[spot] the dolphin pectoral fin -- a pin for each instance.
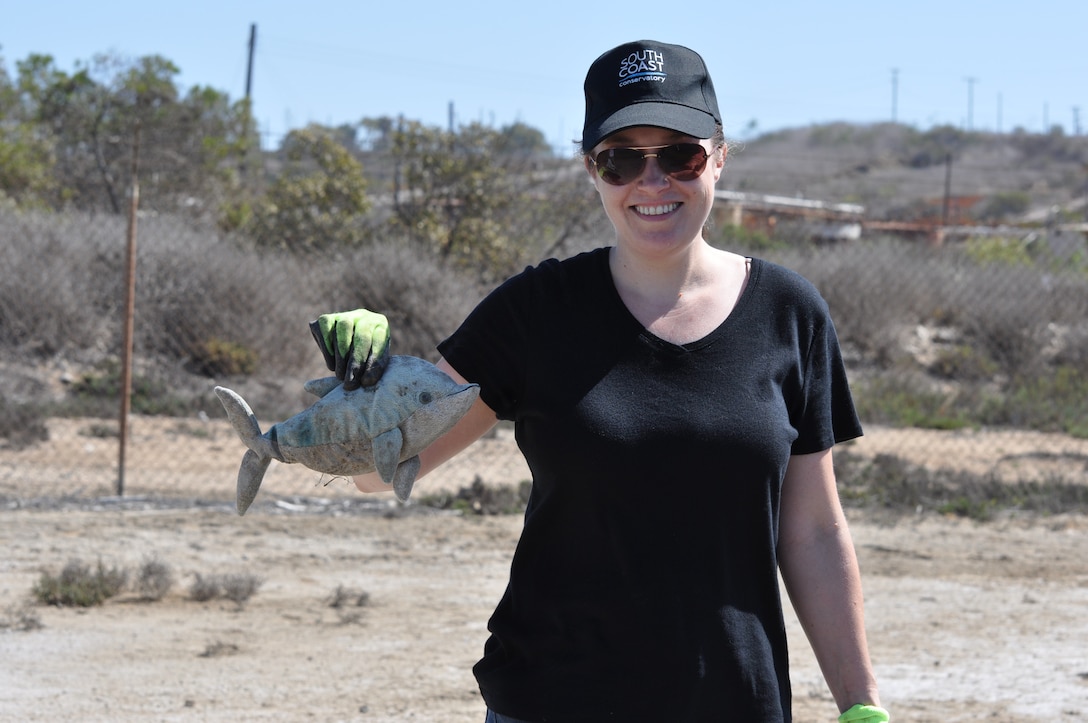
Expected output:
(405, 478)
(387, 446)
(250, 476)
(321, 387)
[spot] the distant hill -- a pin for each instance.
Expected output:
(899, 173)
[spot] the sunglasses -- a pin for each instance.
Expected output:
(620, 166)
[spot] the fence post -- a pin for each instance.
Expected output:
(129, 315)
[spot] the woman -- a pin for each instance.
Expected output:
(677, 405)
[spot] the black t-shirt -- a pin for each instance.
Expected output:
(644, 586)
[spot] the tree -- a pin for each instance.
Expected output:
(83, 124)
(319, 199)
(25, 157)
(482, 199)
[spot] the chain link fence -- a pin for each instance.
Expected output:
(968, 359)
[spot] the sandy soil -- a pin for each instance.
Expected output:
(967, 621)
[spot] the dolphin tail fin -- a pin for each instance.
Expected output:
(257, 457)
(250, 476)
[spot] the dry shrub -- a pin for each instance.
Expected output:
(1006, 313)
(203, 588)
(870, 297)
(154, 579)
(62, 282)
(423, 298)
(21, 425)
(21, 617)
(348, 604)
(343, 597)
(236, 587)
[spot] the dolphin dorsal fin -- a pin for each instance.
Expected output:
(321, 387)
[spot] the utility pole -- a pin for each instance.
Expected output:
(1076, 120)
(249, 64)
(895, 93)
(970, 101)
(248, 119)
(999, 104)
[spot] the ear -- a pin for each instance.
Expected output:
(590, 168)
(719, 162)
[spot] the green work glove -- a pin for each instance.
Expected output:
(865, 714)
(355, 345)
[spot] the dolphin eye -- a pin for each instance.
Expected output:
(425, 397)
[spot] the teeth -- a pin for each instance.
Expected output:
(657, 210)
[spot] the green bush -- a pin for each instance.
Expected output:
(891, 484)
(97, 393)
(218, 357)
(80, 585)
(902, 402)
(1054, 402)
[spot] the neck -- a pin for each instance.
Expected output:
(680, 299)
(663, 279)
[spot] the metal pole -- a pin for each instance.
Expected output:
(130, 313)
(947, 188)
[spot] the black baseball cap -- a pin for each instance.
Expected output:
(647, 83)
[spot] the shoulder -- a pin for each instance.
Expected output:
(551, 275)
(785, 287)
(582, 263)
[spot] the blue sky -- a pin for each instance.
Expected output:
(782, 64)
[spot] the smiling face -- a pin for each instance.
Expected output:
(656, 213)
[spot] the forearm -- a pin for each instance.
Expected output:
(824, 584)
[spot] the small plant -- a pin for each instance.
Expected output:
(348, 603)
(101, 431)
(79, 585)
(21, 618)
(204, 588)
(218, 649)
(238, 587)
(218, 357)
(154, 580)
(343, 597)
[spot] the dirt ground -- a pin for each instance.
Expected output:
(967, 621)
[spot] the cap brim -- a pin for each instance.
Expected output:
(670, 116)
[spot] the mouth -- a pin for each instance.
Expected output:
(658, 210)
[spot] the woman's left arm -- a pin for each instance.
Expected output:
(820, 570)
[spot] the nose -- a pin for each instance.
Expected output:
(652, 175)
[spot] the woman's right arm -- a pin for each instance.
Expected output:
(475, 424)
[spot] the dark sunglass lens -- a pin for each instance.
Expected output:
(683, 161)
(620, 166)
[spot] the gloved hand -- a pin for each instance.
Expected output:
(865, 714)
(355, 345)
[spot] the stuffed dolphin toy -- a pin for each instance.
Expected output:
(381, 427)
